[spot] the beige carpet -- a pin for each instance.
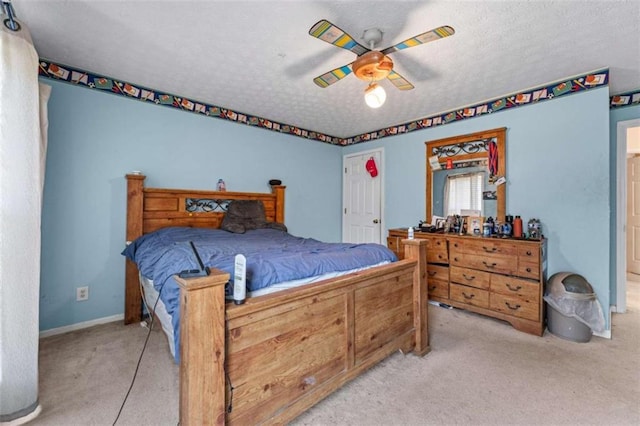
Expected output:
(480, 372)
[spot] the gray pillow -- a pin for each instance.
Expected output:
(245, 215)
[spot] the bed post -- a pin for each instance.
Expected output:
(278, 190)
(202, 349)
(135, 207)
(417, 249)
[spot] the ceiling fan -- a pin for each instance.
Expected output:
(371, 65)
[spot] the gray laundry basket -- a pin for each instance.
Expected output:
(573, 311)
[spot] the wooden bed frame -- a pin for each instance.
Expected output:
(272, 358)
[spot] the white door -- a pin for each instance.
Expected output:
(362, 217)
(633, 215)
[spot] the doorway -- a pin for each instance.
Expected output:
(362, 191)
(628, 144)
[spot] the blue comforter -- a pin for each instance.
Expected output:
(273, 256)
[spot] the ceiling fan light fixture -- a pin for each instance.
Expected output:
(374, 95)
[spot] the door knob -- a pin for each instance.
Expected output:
(376, 221)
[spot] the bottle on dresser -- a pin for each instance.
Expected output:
(517, 227)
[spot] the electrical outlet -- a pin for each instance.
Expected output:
(82, 293)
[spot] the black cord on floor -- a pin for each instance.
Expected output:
(146, 340)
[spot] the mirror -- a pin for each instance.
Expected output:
(457, 164)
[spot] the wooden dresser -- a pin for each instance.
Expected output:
(501, 278)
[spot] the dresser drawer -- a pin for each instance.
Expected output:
(437, 250)
(511, 286)
(470, 277)
(437, 272)
(483, 246)
(528, 270)
(491, 263)
(438, 288)
(516, 306)
(469, 295)
(529, 254)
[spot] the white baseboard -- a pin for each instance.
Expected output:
(80, 325)
(604, 333)
(25, 419)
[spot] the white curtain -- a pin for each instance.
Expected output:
(463, 192)
(23, 145)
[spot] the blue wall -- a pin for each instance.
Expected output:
(616, 115)
(557, 171)
(95, 139)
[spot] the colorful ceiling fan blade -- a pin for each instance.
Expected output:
(326, 31)
(333, 76)
(426, 37)
(399, 81)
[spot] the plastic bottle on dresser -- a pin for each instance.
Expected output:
(410, 233)
(517, 227)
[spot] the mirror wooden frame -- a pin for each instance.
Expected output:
(499, 135)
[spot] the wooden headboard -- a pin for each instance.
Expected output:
(149, 209)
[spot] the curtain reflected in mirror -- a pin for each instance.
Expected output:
(462, 192)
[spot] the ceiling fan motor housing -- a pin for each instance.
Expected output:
(372, 66)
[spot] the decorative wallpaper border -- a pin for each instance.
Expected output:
(550, 91)
(600, 78)
(90, 80)
(625, 99)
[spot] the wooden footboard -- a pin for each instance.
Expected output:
(286, 351)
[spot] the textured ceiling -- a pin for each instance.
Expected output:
(256, 57)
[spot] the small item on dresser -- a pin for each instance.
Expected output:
(535, 229)
(450, 224)
(509, 220)
(505, 229)
(463, 220)
(517, 227)
(410, 233)
(486, 228)
(456, 224)
(221, 186)
(491, 227)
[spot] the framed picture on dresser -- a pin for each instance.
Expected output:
(474, 225)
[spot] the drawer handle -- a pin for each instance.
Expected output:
(513, 308)
(439, 256)
(493, 249)
(468, 297)
(433, 287)
(455, 244)
(455, 259)
(512, 288)
(528, 253)
(432, 273)
(489, 265)
(528, 269)
(472, 277)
